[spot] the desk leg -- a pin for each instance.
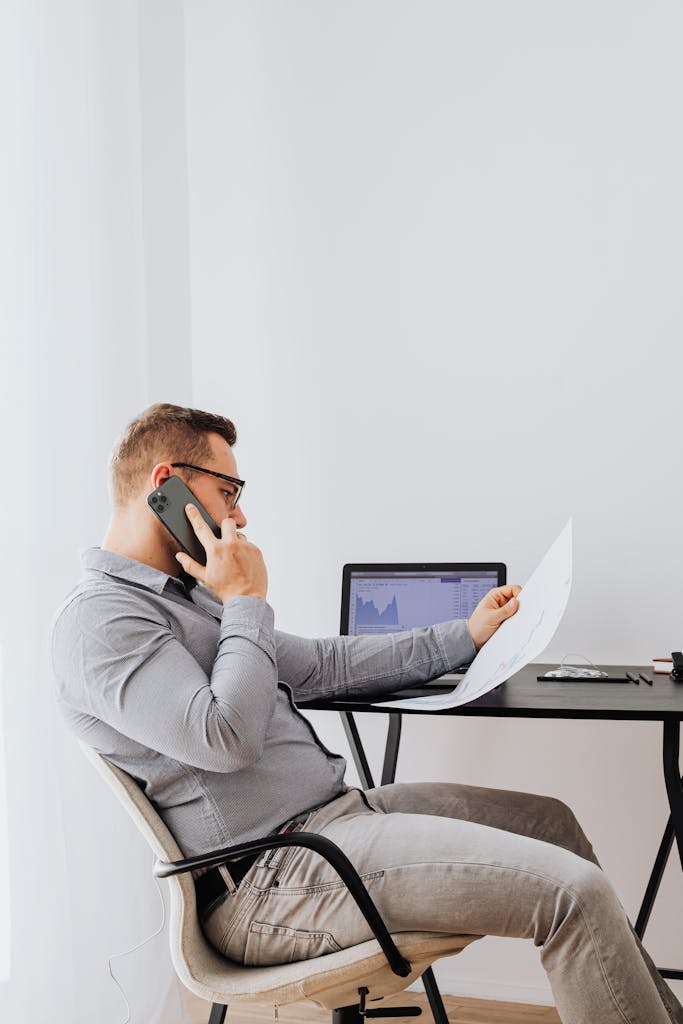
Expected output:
(674, 829)
(357, 752)
(391, 748)
(672, 776)
(655, 879)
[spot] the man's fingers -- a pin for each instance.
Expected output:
(501, 595)
(229, 529)
(189, 565)
(199, 524)
(503, 610)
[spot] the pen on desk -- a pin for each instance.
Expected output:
(634, 678)
(646, 679)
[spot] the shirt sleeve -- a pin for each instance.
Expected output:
(117, 658)
(371, 665)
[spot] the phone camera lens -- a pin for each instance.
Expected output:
(154, 500)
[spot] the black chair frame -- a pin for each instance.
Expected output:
(342, 865)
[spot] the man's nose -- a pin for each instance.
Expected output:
(240, 518)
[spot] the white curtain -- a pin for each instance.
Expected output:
(88, 253)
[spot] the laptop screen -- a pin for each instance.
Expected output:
(392, 599)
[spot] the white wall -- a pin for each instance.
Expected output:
(84, 346)
(435, 279)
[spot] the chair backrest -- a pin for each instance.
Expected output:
(143, 812)
(190, 951)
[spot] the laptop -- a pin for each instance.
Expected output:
(382, 597)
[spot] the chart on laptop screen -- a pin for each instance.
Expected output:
(395, 602)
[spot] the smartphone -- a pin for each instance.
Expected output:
(168, 502)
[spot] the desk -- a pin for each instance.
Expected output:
(523, 696)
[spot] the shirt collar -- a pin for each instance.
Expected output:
(124, 568)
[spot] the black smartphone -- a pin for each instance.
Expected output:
(168, 502)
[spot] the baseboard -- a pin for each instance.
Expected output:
(452, 983)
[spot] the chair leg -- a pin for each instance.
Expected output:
(434, 996)
(218, 1012)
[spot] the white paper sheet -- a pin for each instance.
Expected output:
(519, 639)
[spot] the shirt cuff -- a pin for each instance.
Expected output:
(456, 643)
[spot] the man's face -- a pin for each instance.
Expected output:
(213, 493)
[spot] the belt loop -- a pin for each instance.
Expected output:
(227, 878)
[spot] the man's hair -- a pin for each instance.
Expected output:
(161, 432)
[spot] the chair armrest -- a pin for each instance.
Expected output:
(332, 854)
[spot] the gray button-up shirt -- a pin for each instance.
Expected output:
(196, 699)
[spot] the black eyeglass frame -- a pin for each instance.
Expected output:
(221, 476)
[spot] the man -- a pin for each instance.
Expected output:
(174, 672)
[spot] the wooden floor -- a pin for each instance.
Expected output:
(459, 1010)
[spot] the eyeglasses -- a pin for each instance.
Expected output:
(235, 494)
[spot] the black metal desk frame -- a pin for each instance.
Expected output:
(523, 696)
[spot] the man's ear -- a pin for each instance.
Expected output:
(161, 472)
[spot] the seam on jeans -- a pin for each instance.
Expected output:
(318, 890)
(547, 878)
(251, 898)
(479, 864)
(599, 958)
(264, 928)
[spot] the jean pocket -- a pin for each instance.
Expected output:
(270, 944)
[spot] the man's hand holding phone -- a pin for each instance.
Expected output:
(234, 566)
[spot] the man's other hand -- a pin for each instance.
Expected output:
(497, 606)
(234, 567)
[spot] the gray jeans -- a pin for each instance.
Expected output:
(462, 860)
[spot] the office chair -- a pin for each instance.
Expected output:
(343, 981)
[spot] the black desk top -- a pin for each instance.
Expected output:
(523, 696)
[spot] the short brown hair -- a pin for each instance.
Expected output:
(160, 431)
